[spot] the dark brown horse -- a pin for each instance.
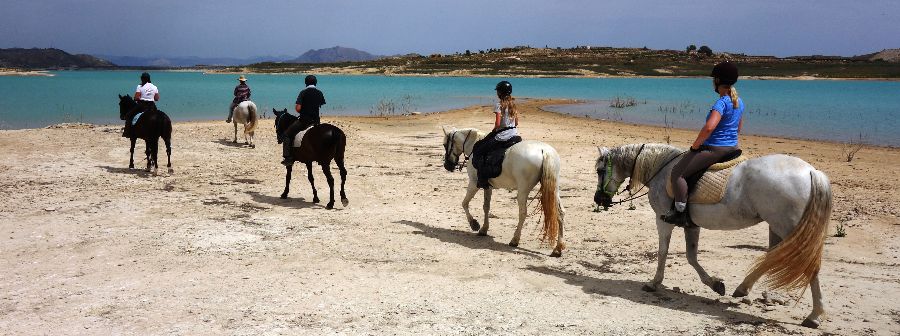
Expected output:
(321, 144)
(150, 127)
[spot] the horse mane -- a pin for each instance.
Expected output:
(649, 162)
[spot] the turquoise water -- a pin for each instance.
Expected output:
(827, 110)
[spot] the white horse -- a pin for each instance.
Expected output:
(788, 193)
(526, 163)
(245, 113)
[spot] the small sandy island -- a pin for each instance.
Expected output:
(91, 247)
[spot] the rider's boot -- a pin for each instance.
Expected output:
(286, 152)
(230, 113)
(678, 215)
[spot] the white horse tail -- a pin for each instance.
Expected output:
(251, 119)
(795, 261)
(549, 204)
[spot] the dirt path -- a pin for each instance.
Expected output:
(90, 247)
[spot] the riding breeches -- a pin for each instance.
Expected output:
(693, 162)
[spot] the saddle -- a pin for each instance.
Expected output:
(298, 139)
(490, 163)
(708, 186)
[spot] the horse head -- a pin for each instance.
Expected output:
(610, 176)
(283, 119)
(126, 103)
(455, 143)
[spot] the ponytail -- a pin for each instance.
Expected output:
(509, 103)
(734, 97)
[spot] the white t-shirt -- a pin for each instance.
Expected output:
(147, 91)
(505, 121)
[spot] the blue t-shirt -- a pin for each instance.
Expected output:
(726, 132)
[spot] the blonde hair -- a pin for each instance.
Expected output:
(734, 97)
(509, 103)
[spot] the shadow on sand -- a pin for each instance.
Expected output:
(631, 290)
(128, 171)
(296, 203)
(467, 239)
(229, 143)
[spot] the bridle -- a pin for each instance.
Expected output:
(605, 180)
(449, 145)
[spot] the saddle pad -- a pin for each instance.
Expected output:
(298, 139)
(136, 117)
(728, 164)
(711, 187)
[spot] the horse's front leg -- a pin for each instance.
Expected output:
(312, 183)
(235, 131)
(287, 181)
(147, 156)
(692, 243)
(665, 235)
(131, 158)
(522, 199)
(470, 192)
(326, 169)
(487, 210)
(168, 142)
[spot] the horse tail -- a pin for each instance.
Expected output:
(794, 262)
(549, 204)
(252, 119)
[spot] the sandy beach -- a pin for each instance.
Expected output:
(91, 247)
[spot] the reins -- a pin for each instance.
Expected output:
(631, 178)
(459, 165)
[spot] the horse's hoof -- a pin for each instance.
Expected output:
(718, 287)
(329, 206)
(345, 201)
(315, 199)
(171, 171)
(648, 288)
(556, 254)
(473, 224)
(482, 233)
(738, 292)
(813, 324)
(514, 244)
(130, 166)
(283, 196)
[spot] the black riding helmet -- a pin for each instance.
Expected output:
(310, 80)
(504, 88)
(726, 72)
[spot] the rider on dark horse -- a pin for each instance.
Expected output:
(504, 135)
(308, 103)
(717, 139)
(241, 94)
(146, 95)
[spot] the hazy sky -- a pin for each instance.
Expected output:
(229, 28)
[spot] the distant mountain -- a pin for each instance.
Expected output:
(189, 61)
(49, 58)
(334, 55)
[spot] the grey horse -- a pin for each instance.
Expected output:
(785, 191)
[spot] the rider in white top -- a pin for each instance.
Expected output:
(146, 96)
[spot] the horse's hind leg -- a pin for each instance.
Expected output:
(665, 235)
(326, 169)
(744, 288)
(812, 321)
(312, 182)
(522, 199)
(692, 242)
(131, 158)
(235, 131)
(168, 142)
(340, 163)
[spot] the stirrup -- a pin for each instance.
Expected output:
(677, 218)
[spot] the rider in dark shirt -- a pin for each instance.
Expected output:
(308, 103)
(241, 94)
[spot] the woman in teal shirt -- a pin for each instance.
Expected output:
(717, 138)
